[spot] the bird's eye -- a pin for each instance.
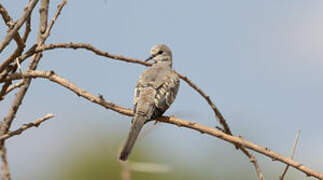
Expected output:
(160, 52)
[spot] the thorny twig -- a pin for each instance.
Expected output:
(172, 120)
(26, 126)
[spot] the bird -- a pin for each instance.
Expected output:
(155, 91)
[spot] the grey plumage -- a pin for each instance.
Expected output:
(155, 91)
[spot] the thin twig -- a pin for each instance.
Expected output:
(18, 51)
(8, 20)
(14, 86)
(11, 33)
(27, 29)
(291, 154)
(5, 64)
(52, 22)
(4, 89)
(90, 48)
(19, 67)
(6, 84)
(43, 36)
(26, 126)
(10, 59)
(3, 151)
(172, 120)
(209, 101)
(253, 161)
(20, 42)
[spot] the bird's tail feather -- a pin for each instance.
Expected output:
(137, 124)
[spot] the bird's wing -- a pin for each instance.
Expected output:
(166, 92)
(165, 83)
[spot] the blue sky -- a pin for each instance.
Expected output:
(261, 63)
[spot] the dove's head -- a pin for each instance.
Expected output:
(161, 54)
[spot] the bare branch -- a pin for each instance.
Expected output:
(209, 101)
(21, 45)
(4, 89)
(6, 63)
(11, 33)
(26, 126)
(10, 59)
(52, 22)
(12, 87)
(5, 165)
(292, 154)
(18, 51)
(42, 37)
(43, 10)
(237, 140)
(138, 61)
(172, 120)
(8, 20)
(52, 76)
(3, 151)
(32, 66)
(27, 29)
(5, 125)
(20, 95)
(253, 160)
(93, 49)
(34, 49)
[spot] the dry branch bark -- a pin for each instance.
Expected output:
(26, 126)
(8, 21)
(11, 33)
(171, 120)
(52, 76)
(14, 86)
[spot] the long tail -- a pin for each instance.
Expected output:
(137, 124)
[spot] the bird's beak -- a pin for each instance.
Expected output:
(149, 58)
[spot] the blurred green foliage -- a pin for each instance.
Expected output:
(100, 162)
